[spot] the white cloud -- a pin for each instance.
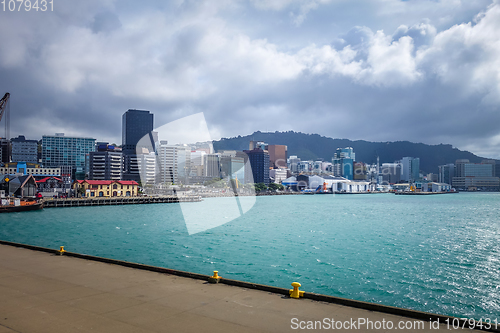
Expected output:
(193, 57)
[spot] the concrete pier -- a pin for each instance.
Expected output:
(43, 292)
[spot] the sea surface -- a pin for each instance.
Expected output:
(438, 253)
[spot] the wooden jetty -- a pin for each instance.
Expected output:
(76, 202)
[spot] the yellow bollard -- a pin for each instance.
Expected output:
(295, 292)
(61, 250)
(214, 279)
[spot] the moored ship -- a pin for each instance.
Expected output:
(11, 205)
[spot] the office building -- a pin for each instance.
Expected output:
(137, 160)
(24, 150)
(277, 156)
(211, 166)
(24, 168)
(410, 169)
(135, 125)
(232, 167)
(293, 164)
(258, 166)
(446, 173)
(475, 176)
(106, 163)
(60, 150)
(389, 173)
(343, 163)
(174, 163)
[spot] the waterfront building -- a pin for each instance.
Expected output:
(278, 175)
(258, 166)
(60, 150)
(333, 184)
(436, 187)
(277, 156)
(105, 163)
(106, 188)
(18, 186)
(24, 168)
(50, 184)
(474, 176)
(24, 150)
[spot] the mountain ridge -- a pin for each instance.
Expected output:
(315, 147)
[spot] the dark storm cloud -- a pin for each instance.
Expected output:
(377, 70)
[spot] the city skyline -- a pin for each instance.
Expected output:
(364, 70)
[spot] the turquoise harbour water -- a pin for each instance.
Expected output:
(438, 253)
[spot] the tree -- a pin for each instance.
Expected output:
(276, 187)
(260, 187)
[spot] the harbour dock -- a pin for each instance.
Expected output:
(76, 202)
(48, 292)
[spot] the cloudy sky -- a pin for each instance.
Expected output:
(379, 70)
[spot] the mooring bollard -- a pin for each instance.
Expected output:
(61, 250)
(295, 292)
(214, 279)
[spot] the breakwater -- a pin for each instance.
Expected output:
(76, 202)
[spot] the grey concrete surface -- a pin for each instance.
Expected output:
(41, 292)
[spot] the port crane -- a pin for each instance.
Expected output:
(4, 110)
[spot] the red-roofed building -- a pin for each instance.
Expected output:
(49, 184)
(106, 188)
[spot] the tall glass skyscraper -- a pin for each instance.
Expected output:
(135, 125)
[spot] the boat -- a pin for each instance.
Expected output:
(19, 205)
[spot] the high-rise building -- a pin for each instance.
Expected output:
(293, 164)
(135, 125)
(60, 150)
(343, 163)
(211, 166)
(259, 165)
(24, 150)
(174, 163)
(410, 169)
(277, 156)
(446, 173)
(106, 163)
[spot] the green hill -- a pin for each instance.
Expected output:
(314, 147)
